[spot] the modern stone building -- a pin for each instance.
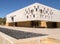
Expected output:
(35, 15)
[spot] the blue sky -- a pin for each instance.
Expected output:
(8, 6)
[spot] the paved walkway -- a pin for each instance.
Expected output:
(20, 34)
(52, 33)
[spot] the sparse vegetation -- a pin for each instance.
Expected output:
(2, 21)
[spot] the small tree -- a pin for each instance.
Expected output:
(2, 21)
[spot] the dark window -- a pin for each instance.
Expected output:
(34, 23)
(29, 9)
(37, 6)
(32, 11)
(27, 16)
(51, 25)
(15, 23)
(12, 18)
(26, 11)
(34, 16)
(51, 12)
(36, 9)
(40, 10)
(46, 11)
(44, 8)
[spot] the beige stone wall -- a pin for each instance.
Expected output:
(24, 24)
(43, 24)
(58, 24)
(9, 24)
(27, 24)
(39, 24)
(20, 24)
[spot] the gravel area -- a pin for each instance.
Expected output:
(19, 34)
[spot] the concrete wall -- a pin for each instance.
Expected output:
(29, 13)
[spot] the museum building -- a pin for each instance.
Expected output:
(34, 15)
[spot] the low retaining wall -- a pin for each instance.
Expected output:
(49, 41)
(5, 39)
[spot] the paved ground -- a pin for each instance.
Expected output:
(19, 34)
(52, 33)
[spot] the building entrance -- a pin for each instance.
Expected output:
(34, 23)
(15, 24)
(51, 25)
(37, 24)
